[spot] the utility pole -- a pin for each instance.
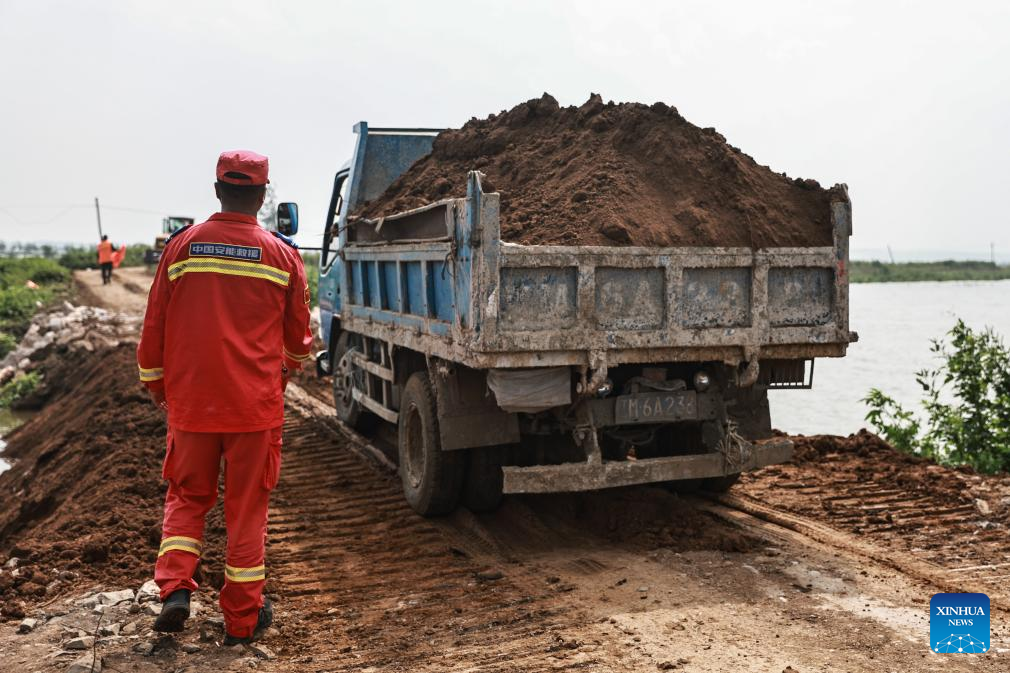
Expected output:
(98, 213)
(889, 253)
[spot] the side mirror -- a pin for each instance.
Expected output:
(287, 218)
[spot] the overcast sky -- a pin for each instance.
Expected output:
(906, 102)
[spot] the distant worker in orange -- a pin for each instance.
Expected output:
(227, 320)
(105, 259)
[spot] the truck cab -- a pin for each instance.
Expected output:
(380, 156)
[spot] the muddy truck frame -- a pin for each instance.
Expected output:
(540, 368)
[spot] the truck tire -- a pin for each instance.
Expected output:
(432, 478)
(482, 485)
(348, 410)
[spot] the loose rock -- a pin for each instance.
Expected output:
(110, 630)
(80, 643)
(89, 663)
(115, 597)
(262, 651)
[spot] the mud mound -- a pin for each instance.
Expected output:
(870, 459)
(841, 476)
(615, 174)
(82, 501)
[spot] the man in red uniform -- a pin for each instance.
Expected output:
(227, 319)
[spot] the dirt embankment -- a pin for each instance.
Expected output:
(615, 174)
(81, 503)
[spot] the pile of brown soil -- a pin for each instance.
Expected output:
(82, 502)
(615, 174)
(867, 458)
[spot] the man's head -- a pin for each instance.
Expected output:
(105, 237)
(242, 177)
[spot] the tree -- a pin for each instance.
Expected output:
(267, 215)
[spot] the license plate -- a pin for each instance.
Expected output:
(656, 407)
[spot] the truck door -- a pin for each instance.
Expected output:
(331, 267)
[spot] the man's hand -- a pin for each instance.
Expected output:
(158, 397)
(285, 377)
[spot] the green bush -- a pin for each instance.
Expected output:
(20, 386)
(7, 344)
(19, 303)
(966, 404)
(78, 258)
(16, 272)
(87, 258)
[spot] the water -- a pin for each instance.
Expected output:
(895, 322)
(8, 421)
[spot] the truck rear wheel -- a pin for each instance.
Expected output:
(349, 411)
(431, 477)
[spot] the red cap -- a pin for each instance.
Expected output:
(242, 167)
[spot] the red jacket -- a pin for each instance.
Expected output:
(228, 306)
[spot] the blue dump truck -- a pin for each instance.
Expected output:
(534, 369)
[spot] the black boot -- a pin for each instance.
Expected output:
(174, 612)
(266, 618)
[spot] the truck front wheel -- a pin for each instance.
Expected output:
(344, 376)
(431, 477)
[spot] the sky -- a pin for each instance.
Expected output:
(906, 102)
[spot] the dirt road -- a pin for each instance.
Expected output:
(127, 293)
(770, 579)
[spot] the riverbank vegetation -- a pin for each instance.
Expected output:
(965, 405)
(25, 286)
(883, 272)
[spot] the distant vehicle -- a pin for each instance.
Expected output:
(614, 366)
(169, 225)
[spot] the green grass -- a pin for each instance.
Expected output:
(882, 272)
(18, 302)
(20, 386)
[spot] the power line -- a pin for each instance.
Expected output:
(66, 208)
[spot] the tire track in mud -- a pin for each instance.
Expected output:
(920, 518)
(367, 583)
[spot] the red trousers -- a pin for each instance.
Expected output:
(252, 465)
